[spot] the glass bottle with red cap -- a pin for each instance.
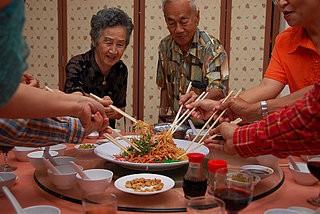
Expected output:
(194, 181)
(213, 166)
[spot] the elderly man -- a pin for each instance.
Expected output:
(189, 55)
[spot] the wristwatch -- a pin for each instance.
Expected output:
(264, 108)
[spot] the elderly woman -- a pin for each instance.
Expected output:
(100, 70)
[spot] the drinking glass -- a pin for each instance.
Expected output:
(205, 204)
(233, 186)
(166, 114)
(6, 167)
(100, 203)
(314, 168)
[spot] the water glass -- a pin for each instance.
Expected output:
(205, 204)
(100, 203)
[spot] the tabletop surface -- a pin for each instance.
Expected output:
(28, 192)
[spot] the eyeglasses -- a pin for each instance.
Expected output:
(276, 2)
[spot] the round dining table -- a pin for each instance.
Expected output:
(31, 190)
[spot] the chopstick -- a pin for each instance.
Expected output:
(125, 139)
(109, 137)
(201, 97)
(49, 89)
(205, 125)
(177, 116)
(117, 109)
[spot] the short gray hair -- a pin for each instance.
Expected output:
(108, 18)
(192, 3)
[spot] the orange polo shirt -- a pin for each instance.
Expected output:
(295, 60)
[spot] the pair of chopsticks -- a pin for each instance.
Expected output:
(116, 109)
(205, 125)
(236, 121)
(186, 114)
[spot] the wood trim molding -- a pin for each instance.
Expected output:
(62, 41)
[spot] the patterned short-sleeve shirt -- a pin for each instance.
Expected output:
(205, 64)
(83, 74)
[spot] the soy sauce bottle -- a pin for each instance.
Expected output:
(194, 181)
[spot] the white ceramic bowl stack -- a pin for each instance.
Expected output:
(65, 180)
(36, 159)
(60, 148)
(99, 180)
(303, 176)
(21, 152)
(7, 179)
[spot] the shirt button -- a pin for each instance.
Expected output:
(75, 139)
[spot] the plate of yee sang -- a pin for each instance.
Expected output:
(157, 153)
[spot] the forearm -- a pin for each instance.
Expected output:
(40, 132)
(267, 89)
(275, 104)
(30, 102)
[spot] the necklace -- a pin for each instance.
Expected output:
(104, 81)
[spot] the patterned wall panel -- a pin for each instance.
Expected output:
(79, 16)
(155, 30)
(247, 43)
(41, 32)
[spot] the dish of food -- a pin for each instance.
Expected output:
(110, 152)
(240, 178)
(144, 184)
(85, 147)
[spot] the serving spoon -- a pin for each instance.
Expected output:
(17, 207)
(51, 166)
(77, 168)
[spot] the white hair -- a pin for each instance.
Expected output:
(192, 3)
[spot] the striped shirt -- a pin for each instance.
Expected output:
(205, 65)
(40, 132)
(293, 130)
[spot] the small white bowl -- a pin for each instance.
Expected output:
(302, 210)
(60, 148)
(65, 180)
(41, 209)
(64, 160)
(280, 211)
(36, 161)
(85, 151)
(7, 179)
(93, 135)
(261, 171)
(20, 152)
(303, 177)
(100, 180)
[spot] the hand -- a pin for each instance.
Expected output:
(30, 80)
(226, 145)
(87, 114)
(111, 114)
(188, 98)
(97, 123)
(204, 108)
(237, 107)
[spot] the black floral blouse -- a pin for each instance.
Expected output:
(83, 74)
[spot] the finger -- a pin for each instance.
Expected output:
(218, 147)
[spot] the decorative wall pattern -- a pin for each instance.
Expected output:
(41, 33)
(155, 30)
(79, 41)
(247, 44)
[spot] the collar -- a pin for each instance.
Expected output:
(193, 50)
(300, 38)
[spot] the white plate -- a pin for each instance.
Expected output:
(302, 210)
(108, 150)
(121, 182)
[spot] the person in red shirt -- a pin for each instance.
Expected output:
(292, 130)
